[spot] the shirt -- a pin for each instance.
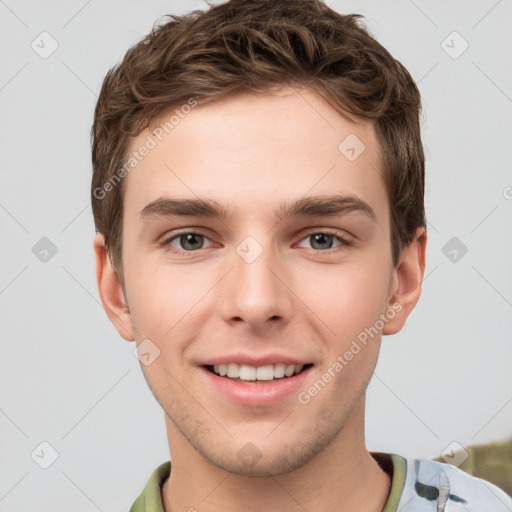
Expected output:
(417, 485)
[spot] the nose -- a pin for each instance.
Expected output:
(257, 291)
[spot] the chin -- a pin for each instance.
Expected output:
(261, 457)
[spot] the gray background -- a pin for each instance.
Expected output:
(68, 379)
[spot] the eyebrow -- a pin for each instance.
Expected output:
(331, 205)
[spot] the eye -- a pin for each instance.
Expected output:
(324, 240)
(190, 241)
(185, 242)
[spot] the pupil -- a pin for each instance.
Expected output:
(321, 238)
(188, 241)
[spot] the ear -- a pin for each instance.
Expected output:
(111, 292)
(406, 282)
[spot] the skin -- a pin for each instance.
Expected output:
(250, 153)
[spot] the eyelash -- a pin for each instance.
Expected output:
(343, 241)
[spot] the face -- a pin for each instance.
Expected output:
(257, 242)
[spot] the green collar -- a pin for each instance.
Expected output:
(150, 500)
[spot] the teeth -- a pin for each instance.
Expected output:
(265, 372)
(232, 370)
(288, 371)
(251, 373)
(247, 372)
(279, 371)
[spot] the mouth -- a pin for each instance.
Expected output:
(245, 373)
(251, 381)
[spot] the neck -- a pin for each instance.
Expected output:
(343, 477)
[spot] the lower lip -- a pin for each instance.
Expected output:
(257, 393)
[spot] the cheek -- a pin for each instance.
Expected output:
(348, 297)
(161, 299)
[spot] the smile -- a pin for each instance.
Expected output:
(245, 387)
(245, 372)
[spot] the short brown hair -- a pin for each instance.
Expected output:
(260, 46)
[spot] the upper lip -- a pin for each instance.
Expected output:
(251, 360)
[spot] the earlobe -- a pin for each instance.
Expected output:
(407, 282)
(111, 292)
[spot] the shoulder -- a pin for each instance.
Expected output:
(436, 486)
(150, 500)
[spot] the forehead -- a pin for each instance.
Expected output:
(254, 150)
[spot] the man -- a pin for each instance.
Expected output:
(258, 197)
